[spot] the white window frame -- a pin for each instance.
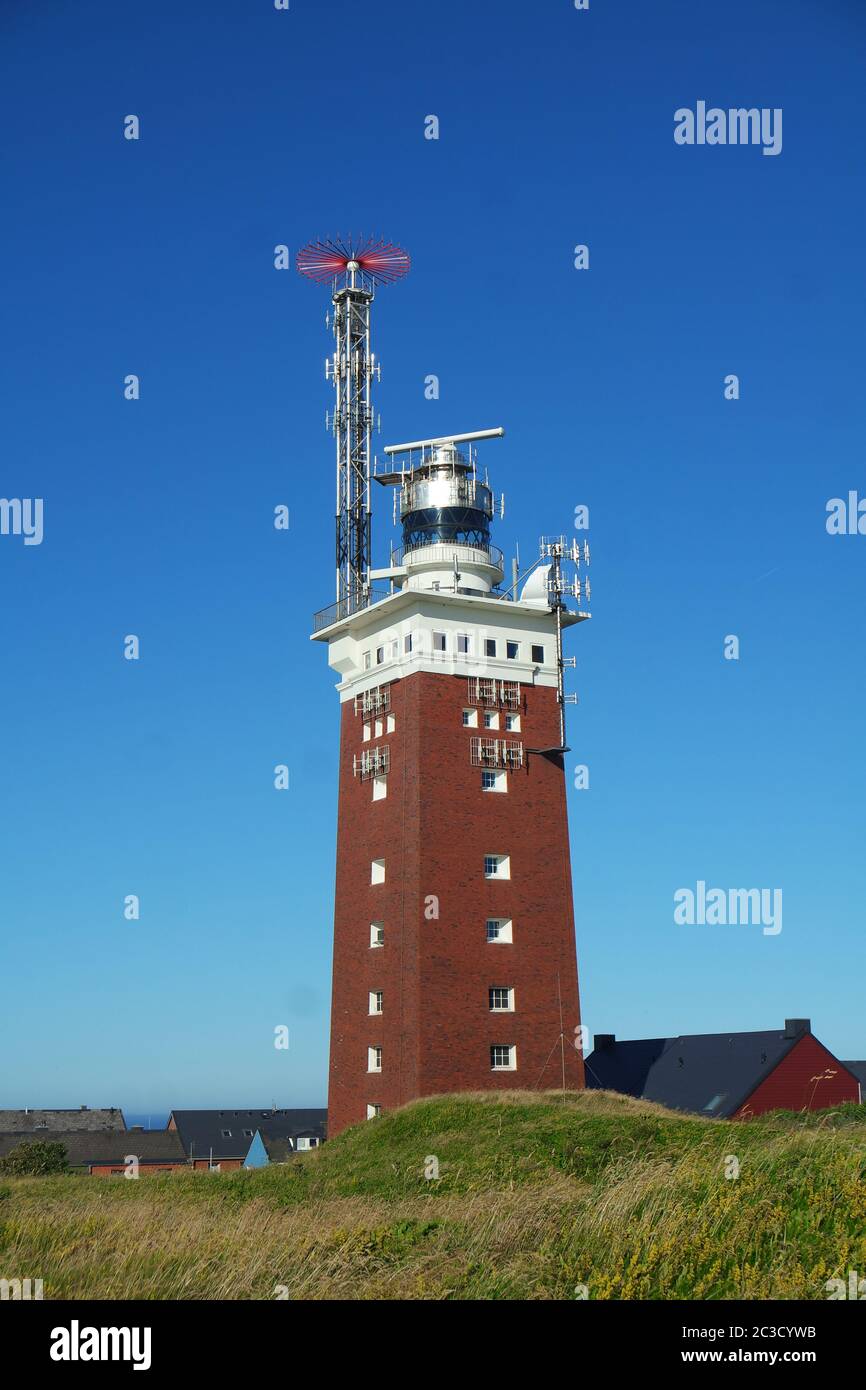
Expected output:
(374, 1059)
(375, 929)
(499, 782)
(508, 1007)
(470, 719)
(377, 871)
(380, 787)
(511, 1064)
(504, 936)
(503, 870)
(375, 998)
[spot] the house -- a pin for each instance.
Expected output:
(729, 1075)
(107, 1153)
(859, 1070)
(223, 1138)
(22, 1121)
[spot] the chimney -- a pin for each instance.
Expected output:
(604, 1041)
(795, 1026)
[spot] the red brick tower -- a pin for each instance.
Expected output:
(454, 952)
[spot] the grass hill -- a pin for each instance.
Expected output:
(537, 1194)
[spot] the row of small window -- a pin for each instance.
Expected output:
(378, 728)
(300, 1143)
(500, 1000)
(495, 866)
(498, 929)
(390, 650)
(490, 720)
(492, 780)
(503, 1057)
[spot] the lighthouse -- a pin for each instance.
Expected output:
(454, 964)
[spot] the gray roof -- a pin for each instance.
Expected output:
(228, 1133)
(19, 1121)
(712, 1074)
(104, 1146)
(859, 1070)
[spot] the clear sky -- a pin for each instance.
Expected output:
(707, 515)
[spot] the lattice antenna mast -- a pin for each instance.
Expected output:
(557, 551)
(355, 268)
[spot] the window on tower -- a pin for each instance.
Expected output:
(440, 642)
(374, 1059)
(377, 934)
(380, 788)
(377, 871)
(407, 644)
(470, 718)
(497, 866)
(500, 999)
(367, 660)
(490, 646)
(491, 719)
(538, 655)
(494, 780)
(463, 643)
(503, 1057)
(512, 723)
(376, 1001)
(380, 655)
(499, 929)
(512, 650)
(373, 1111)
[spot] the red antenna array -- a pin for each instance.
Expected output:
(324, 259)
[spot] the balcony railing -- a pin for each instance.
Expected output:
(346, 607)
(437, 552)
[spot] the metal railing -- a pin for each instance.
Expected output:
(438, 551)
(346, 607)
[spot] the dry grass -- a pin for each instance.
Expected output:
(538, 1194)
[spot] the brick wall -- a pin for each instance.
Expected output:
(433, 830)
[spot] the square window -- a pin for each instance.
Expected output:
(377, 934)
(226, 1133)
(500, 999)
(491, 719)
(503, 1057)
(375, 1001)
(497, 866)
(248, 1134)
(440, 642)
(374, 1059)
(373, 1112)
(463, 643)
(490, 646)
(512, 650)
(512, 723)
(494, 780)
(499, 929)
(538, 654)
(377, 871)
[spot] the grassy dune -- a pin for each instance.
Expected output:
(538, 1193)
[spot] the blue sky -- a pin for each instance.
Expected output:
(707, 516)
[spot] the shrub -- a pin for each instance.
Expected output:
(34, 1158)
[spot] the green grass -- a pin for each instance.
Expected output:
(538, 1194)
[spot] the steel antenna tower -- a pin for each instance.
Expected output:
(355, 267)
